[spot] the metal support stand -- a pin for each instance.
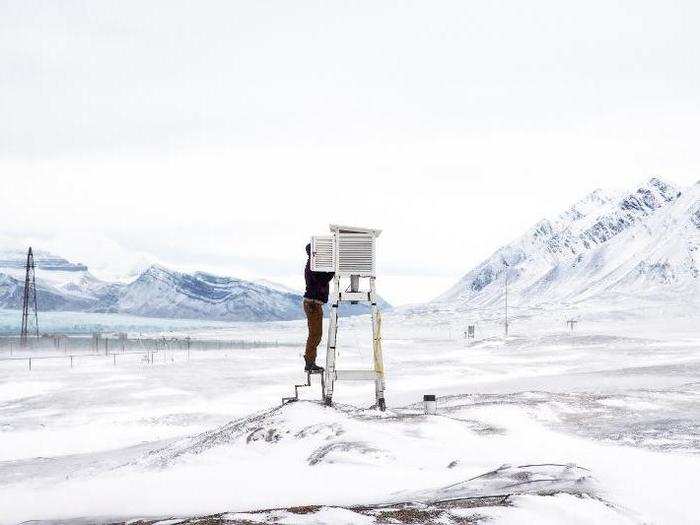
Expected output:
(377, 373)
(295, 397)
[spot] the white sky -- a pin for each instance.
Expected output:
(219, 136)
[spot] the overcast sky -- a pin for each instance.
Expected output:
(219, 136)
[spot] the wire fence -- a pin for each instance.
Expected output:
(116, 348)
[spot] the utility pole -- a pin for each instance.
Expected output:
(506, 300)
(29, 300)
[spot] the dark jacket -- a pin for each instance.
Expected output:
(316, 282)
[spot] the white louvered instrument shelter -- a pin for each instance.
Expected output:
(356, 254)
(323, 253)
(349, 251)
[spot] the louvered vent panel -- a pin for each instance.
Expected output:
(356, 254)
(322, 253)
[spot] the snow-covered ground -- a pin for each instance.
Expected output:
(598, 426)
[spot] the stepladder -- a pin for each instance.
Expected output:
(375, 371)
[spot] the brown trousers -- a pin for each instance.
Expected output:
(314, 319)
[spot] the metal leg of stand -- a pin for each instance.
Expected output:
(377, 347)
(330, 352)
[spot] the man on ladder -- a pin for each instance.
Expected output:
(315, 296)
(347, 254)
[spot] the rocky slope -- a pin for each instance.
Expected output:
(160, 292)
(642, 244)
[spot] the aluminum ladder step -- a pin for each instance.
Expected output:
(356, 375)
(354, 297)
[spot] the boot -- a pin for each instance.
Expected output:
(311, 366)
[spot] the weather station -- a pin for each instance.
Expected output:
(350, 253)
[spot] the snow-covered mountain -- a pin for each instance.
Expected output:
(16, 259)
(160, 292)
(637, 246)
(61, 285)
(156, 292)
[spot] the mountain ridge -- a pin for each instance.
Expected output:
(157, 291)
(605, 243)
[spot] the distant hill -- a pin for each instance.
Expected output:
(156, 292)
